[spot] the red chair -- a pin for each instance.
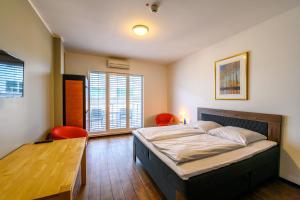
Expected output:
(166, 119)
(65, 132)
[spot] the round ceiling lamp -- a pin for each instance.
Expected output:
(140, 30)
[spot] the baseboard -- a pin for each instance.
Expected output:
(289, 182)
(109, 134)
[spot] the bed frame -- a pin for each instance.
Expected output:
(227, 182)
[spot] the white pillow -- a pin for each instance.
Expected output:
(206, 125)
(237, 134)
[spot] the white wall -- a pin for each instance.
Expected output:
(26, 119)
(274, 80)
(58, 70)
(155, 79)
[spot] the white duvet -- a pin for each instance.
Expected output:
(168, 132)
(194, 147)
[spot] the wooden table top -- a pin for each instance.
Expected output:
(39, 170)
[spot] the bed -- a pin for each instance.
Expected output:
(227, 181)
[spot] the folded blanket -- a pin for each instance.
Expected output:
(168, 132)
(194, 147)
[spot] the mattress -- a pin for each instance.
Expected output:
(197, 167)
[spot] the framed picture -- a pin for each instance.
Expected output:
(231, 78)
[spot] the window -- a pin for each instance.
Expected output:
(116, 101)
(97, 101)
(11, 76)
(136, 101)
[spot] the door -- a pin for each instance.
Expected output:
(116, 102)
(74, 101)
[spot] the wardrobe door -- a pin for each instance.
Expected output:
(74, 100)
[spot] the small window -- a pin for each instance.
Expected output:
(11, 76)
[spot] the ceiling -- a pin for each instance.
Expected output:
(181, 27)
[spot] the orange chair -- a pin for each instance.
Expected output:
(166, 119)
(65, 132)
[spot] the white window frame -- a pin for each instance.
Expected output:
(109, 131)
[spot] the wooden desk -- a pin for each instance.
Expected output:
(44, 171)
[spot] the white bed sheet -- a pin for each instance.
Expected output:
(185, 149)
(196, 167)
(168, 132)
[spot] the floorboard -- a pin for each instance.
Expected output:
(112, 175)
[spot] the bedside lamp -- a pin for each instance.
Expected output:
(184, 117)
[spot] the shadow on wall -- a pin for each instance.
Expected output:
(150, 121)
(288, 166)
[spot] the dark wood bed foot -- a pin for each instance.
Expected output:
(134, 152)
(179, 196)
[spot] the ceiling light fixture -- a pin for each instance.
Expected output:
(140, 30)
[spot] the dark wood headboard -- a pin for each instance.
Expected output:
(268, 124)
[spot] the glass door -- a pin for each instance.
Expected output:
(97, 92)
(117, 101)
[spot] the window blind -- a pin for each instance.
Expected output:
(117, 101)
(97, 92)
(11, 80)
(136, 101)
(117, 98)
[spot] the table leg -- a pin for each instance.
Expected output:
(83, 167)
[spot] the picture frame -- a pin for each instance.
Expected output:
(231, 77)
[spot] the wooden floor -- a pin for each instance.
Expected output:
(112, 175)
